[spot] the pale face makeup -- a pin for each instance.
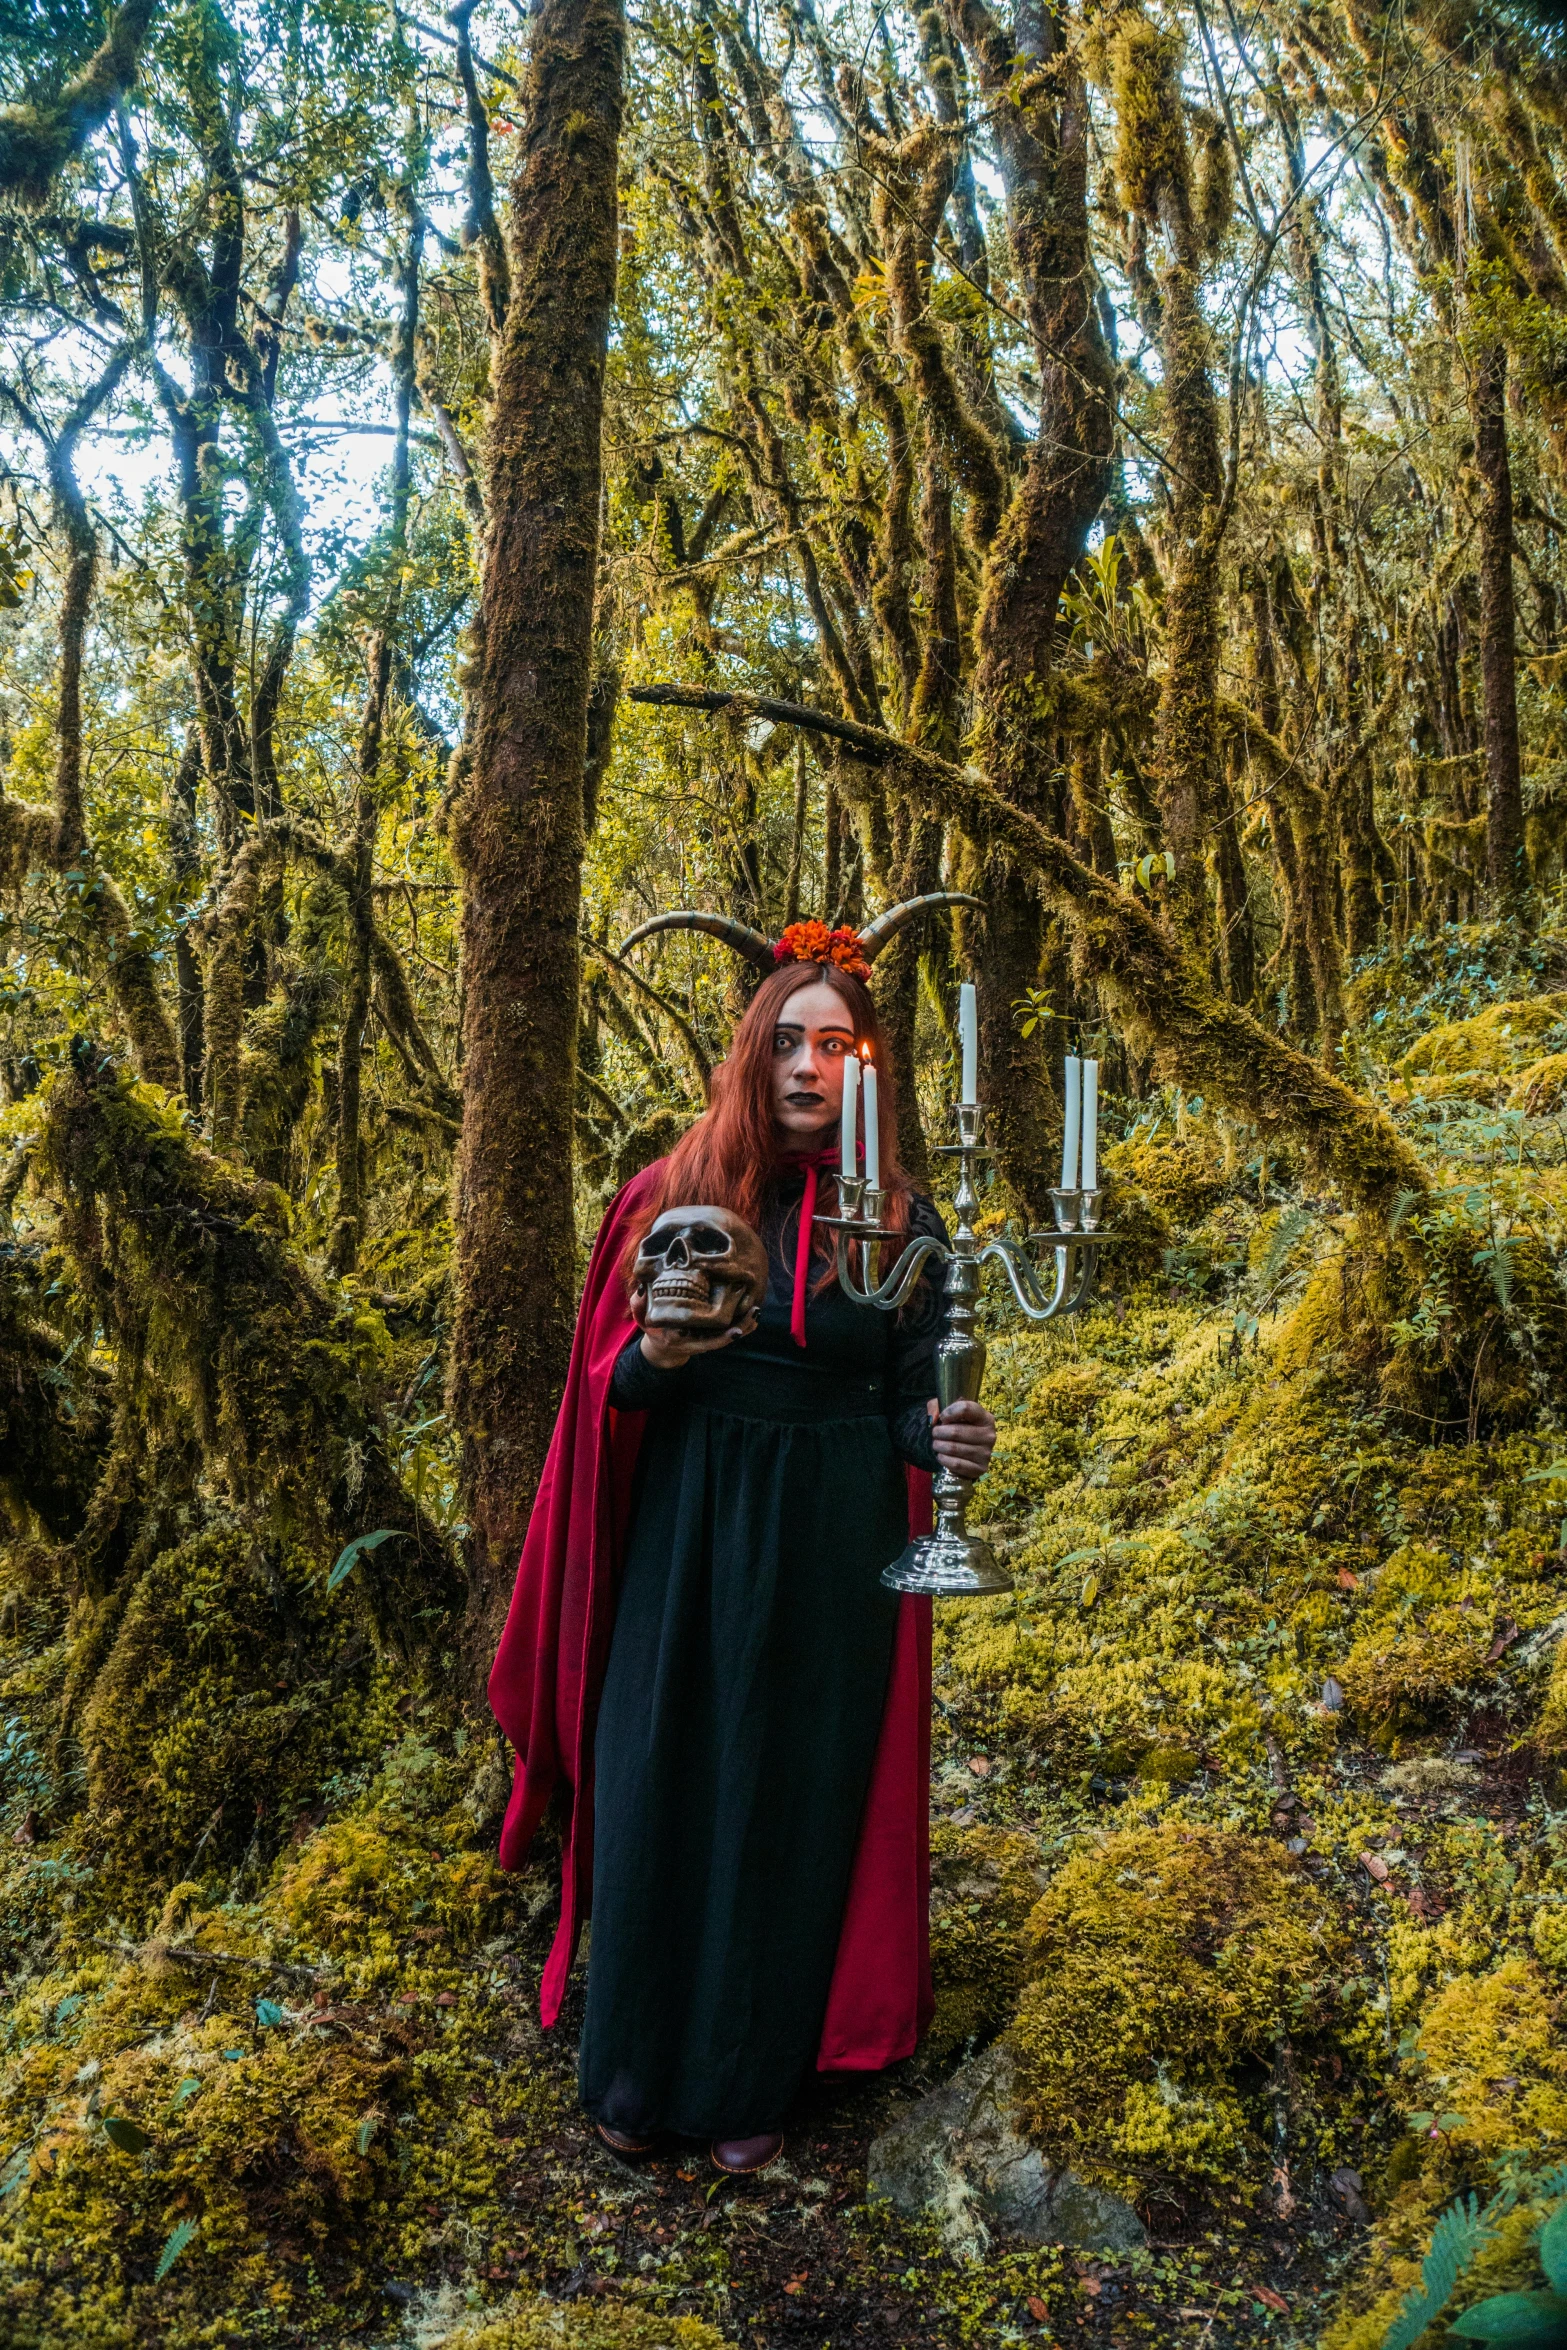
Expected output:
(812, 1040)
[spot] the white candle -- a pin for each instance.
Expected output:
(872, 1127)
(968, 1036)
(851, 1116)
(1090, 1125)
(1074, 1113)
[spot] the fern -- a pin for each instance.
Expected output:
(1401, 1207)
(177, 2240)
(1460, 2234)
(1286, 1232)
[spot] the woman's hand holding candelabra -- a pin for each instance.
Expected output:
(952, 1562)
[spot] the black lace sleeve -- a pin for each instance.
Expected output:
(635, 1384)
(911, 1350)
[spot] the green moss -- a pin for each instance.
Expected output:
(358, 1885)
(1541, 1089)
(984, 1883)
(1423, 1656)
(1162, 1963)
(232, 1690)
(1490, 2056)
(1492, 1043)
(584, 2325)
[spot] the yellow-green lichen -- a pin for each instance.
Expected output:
(583, 2325)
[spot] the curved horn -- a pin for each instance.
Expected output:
(745, 941)
(876, 934)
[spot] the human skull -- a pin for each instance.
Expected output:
(699, 1271)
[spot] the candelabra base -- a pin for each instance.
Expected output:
(948, 1565)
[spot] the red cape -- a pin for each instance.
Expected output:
(549, 1671)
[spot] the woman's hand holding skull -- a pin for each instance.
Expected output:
(667, 1349)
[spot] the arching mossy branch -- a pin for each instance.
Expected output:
(1204, 1043)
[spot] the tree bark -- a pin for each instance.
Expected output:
(518, 824)
(1498, 642)
(1041, 133)
(185, 846)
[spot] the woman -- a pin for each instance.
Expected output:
(756, 1750)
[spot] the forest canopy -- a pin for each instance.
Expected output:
(472, 482)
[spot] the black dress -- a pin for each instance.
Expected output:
(743, 1698)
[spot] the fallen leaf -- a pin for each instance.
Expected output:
(1270, 2300)
(1375, 1866)
(1348, 1579)
(1507, 1633)
(1037, 2310)
(1333, 1695)
(979, 1764)
(446, 1999)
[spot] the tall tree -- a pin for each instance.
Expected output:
(1031, 80)
(518, 821)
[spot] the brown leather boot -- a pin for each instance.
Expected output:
(743, 2157)
(618, 2142)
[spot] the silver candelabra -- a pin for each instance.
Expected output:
(952, 1563)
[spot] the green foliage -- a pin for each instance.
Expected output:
(344, 1563)
(1461, 2232)
(1535, 2320)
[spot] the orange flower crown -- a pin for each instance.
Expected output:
(813, 942)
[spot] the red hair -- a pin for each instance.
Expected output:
(731, 1157)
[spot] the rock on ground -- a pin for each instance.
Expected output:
(959, 2156)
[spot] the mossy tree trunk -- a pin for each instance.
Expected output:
(56, 837)
(1498, 630)
(1039, 115)
(1177, 222)
(38, 140)
(518, 821)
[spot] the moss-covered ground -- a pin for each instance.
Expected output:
(1251, 1831)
